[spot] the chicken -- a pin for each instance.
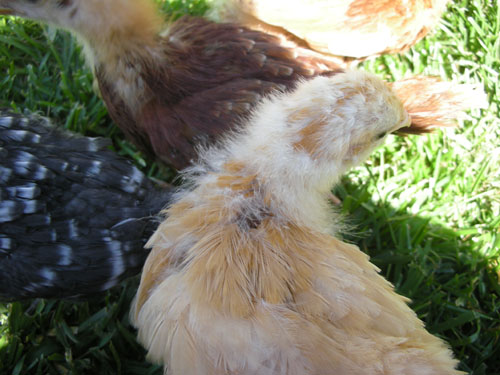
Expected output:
(171, 87)
(74, 216)
(247, 275)
(352, 28)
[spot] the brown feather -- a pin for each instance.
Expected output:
(171, 88)
(209, 79)
(298, 288)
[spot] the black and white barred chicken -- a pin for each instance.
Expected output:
(74, 216)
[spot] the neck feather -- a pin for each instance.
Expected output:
(293, 187)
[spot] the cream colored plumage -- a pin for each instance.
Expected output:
(246, 275)
(352, 28)
(169, 86)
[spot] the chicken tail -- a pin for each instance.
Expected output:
(433, 103)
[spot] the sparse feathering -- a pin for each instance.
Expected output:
(351, 28)
(172, 86)
(74, 216)
(246, 275)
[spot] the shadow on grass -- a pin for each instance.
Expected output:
(74, 337)
(453, 289)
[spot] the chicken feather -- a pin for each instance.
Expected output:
(74, 216)
(246, 274)
(172, 86)
(351, 28)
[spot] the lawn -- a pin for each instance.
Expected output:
(426, 209)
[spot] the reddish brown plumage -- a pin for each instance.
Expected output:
(212, 75)
(244, 277)
(170, 89)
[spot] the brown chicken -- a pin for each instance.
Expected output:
(246, 276)
(352, 28)
(171, 87)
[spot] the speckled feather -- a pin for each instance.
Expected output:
(74, 216)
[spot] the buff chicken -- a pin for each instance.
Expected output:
(172, 86)
(74, 216)
(352, 28)
(247, 275)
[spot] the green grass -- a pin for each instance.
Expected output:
(426, 209)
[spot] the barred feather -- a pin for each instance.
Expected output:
(74, 216)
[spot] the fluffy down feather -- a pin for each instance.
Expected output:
(246, 275)
(74, 216)
(172, 86)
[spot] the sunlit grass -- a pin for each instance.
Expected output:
(426, 209)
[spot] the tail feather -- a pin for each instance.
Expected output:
(433, 103)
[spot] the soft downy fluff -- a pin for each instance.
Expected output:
(171, 86)
(246, 275)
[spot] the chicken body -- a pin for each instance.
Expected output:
(74, 216)
(246, 275)
(351, 28)
(171, 87)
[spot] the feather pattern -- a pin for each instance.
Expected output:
(208, 77)
(172, 86)
(441, 104)
(246, 275)
(74, 216)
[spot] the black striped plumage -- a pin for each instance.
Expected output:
(74, 216)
